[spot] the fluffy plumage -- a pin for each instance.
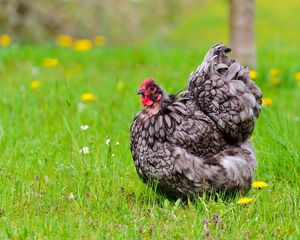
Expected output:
(198, 140)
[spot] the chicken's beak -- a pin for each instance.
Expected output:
(140, 91)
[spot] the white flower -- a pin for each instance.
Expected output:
(35, 70)
(113, 155)
(107, 142)
(117, 143)
(84, 127)
(82, 106)
(22, 88)
(85, 150)
(71, 196)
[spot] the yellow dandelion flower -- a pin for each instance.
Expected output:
(35, 84)
(64, 40)
(267, 101)
(5, 40)
(120, 86)
(275, 72)
(88, 97)
(259, 184)
(275, 81)
(82, 45)
(244, 201)
(253, 74)
(297, 76)
(99, 40)
(50, 62)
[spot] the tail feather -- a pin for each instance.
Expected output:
(224, 91)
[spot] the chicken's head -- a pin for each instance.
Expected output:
(151, 93)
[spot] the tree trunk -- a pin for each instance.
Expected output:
(242, 31)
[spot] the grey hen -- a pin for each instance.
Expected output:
(197, 141)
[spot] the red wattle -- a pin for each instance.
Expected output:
(146, 102)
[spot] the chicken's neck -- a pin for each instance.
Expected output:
(154, 109)
(161, 104)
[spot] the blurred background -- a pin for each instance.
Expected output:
(264, 35)
(194, 24)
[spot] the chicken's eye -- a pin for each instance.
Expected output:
(151, 88)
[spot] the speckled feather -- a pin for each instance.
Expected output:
(224, 92)
(198, 141)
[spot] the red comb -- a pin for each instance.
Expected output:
(146, 82)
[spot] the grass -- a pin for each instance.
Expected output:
(48, 189)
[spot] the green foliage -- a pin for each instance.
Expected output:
(49, 189)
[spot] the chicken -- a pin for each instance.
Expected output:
(198, 140)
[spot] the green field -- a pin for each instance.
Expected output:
(51, 190)
(48, 188)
